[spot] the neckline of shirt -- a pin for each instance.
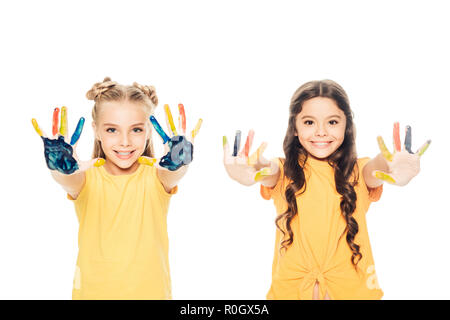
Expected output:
(122, 176)
(314, 162)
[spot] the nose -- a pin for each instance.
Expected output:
(321, 131)
(124, 140)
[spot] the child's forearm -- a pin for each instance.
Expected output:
(271, 180)
(170, 179)
(71, 183)
(377, 163)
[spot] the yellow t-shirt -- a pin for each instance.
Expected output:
(320, 250)
(122, 238)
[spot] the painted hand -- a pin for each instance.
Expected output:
(179, 148)
(243, 168)
(59, 153)
(403, 163)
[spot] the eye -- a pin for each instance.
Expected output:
(111, 130)
(137, 130)
(308, 122)
(333, 122)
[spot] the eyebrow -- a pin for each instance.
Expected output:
(116, 125)
(333, 116)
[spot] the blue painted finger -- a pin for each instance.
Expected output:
(408, 139)
(77, 133)
(158, 129)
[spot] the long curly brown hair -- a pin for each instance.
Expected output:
(343, 160)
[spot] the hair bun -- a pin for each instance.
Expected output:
(100, 87)
(149, 91)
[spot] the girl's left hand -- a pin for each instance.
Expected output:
(179, 149)
(403, 163)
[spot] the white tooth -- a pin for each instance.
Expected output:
(124, 153)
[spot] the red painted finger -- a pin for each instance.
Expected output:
(55, 121)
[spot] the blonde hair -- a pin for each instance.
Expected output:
(109, 90)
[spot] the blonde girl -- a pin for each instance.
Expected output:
(120, 202)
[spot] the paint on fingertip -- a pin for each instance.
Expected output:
(77, 133)
(408, 139)
(424, 148)
(397, 143)
(262, 174)
(237, 143)
(383, 176)
(36, 127)
(384, 150)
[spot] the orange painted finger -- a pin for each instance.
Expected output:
(248, 142)
(182, 119)
(397, 143)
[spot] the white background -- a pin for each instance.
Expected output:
(236, 65)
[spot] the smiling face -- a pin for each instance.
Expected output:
(122, 128)
(320, 127)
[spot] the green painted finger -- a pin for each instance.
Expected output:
(384, 150)
(383, 176)
(423, 148)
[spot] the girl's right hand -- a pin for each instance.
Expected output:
(245, 169)
(60, 154)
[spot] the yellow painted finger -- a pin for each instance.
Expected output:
(63, 126)
(261, 174)
(170, 119)
(147, 161)
(36, 127)
(253, 159)
(99, 162)
(384, 176)
(384, 150)
(197, 128)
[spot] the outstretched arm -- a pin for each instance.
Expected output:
(376, 164)
(60, 154)
(179, 149)
(245, 169)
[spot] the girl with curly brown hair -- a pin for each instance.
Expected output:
(321, 192)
